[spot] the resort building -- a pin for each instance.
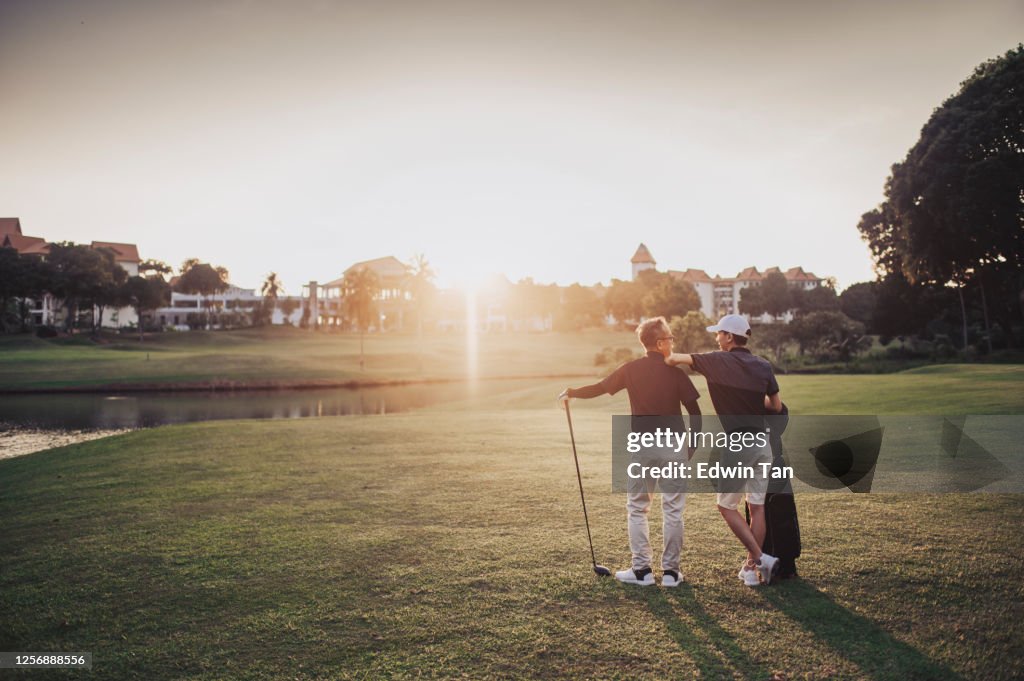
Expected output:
(721, 295)
(188, 310)
(393, 297)
(49, 310)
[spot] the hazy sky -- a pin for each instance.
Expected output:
(538, 139)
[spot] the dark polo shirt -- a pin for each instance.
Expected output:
(737, 382)
(654, 388)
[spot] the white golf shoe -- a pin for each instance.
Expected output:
(644, 577)
(671, 579)
(768, 567)
(748, 575)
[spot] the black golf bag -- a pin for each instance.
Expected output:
(782, 531)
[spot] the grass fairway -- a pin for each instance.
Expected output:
(282, 356)
(450, 543)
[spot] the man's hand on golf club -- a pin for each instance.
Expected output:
(563, 397)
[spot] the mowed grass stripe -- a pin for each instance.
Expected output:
(291, 355)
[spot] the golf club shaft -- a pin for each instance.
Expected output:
(579, 479)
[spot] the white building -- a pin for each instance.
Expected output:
(721, 295)
(392, 298)
(50, 310)
(190, 307)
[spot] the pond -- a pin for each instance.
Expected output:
(33, 422)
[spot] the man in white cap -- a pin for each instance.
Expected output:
(743, 389)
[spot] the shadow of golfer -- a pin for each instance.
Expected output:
(851, 636)
(713, 650)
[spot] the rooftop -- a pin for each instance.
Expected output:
(642, 255)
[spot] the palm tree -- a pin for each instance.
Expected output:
(272, 288)
(360, 289)
(420, 284)
(204, 280)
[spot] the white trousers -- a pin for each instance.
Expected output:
(638, 504)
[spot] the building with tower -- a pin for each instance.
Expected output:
(721, 295)
(642, 260)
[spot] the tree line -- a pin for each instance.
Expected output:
(86, 282)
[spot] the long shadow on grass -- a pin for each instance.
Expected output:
(713, 649)
(852, 636)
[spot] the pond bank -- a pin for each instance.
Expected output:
(21, 441)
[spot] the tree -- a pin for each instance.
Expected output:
(202, 279)
(953, 206)
(80, 276)
(752, 301)
(670, 297)
(151, 266)
(817, 299)
(903, 309)
(828, 334)
(580, 308)
(773, 338)
(271, 289)
(858, 302)
(690, 332)
(772, 296)
(420, 284)
(145, 294)
(13, 283)
(35, 275)
(360, 288)
(533, 304)
(289, 306)
(110, 290)
(1004, 287)
(625, 300)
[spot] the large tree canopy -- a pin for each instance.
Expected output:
(772, 295)
(955, 204)
(203, 279)
(670, 297)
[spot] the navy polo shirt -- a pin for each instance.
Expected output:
(655, 388)
(737, 382)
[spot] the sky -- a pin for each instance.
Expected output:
(532, 139)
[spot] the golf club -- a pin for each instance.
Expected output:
(599, 570)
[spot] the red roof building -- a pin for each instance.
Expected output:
(11, 237)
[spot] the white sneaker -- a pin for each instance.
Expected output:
(748, 575)
(644, 577)
(671, 579)
(768, 567)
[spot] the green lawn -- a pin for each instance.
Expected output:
(449, 543)
(288, 356)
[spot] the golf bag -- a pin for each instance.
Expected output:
(782, 528)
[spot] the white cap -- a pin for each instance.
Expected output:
(735, 324)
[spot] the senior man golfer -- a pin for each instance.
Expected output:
(743, 389)
(654, 389)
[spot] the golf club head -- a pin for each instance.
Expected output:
(602, 571)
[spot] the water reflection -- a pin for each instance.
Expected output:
(140, 410)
